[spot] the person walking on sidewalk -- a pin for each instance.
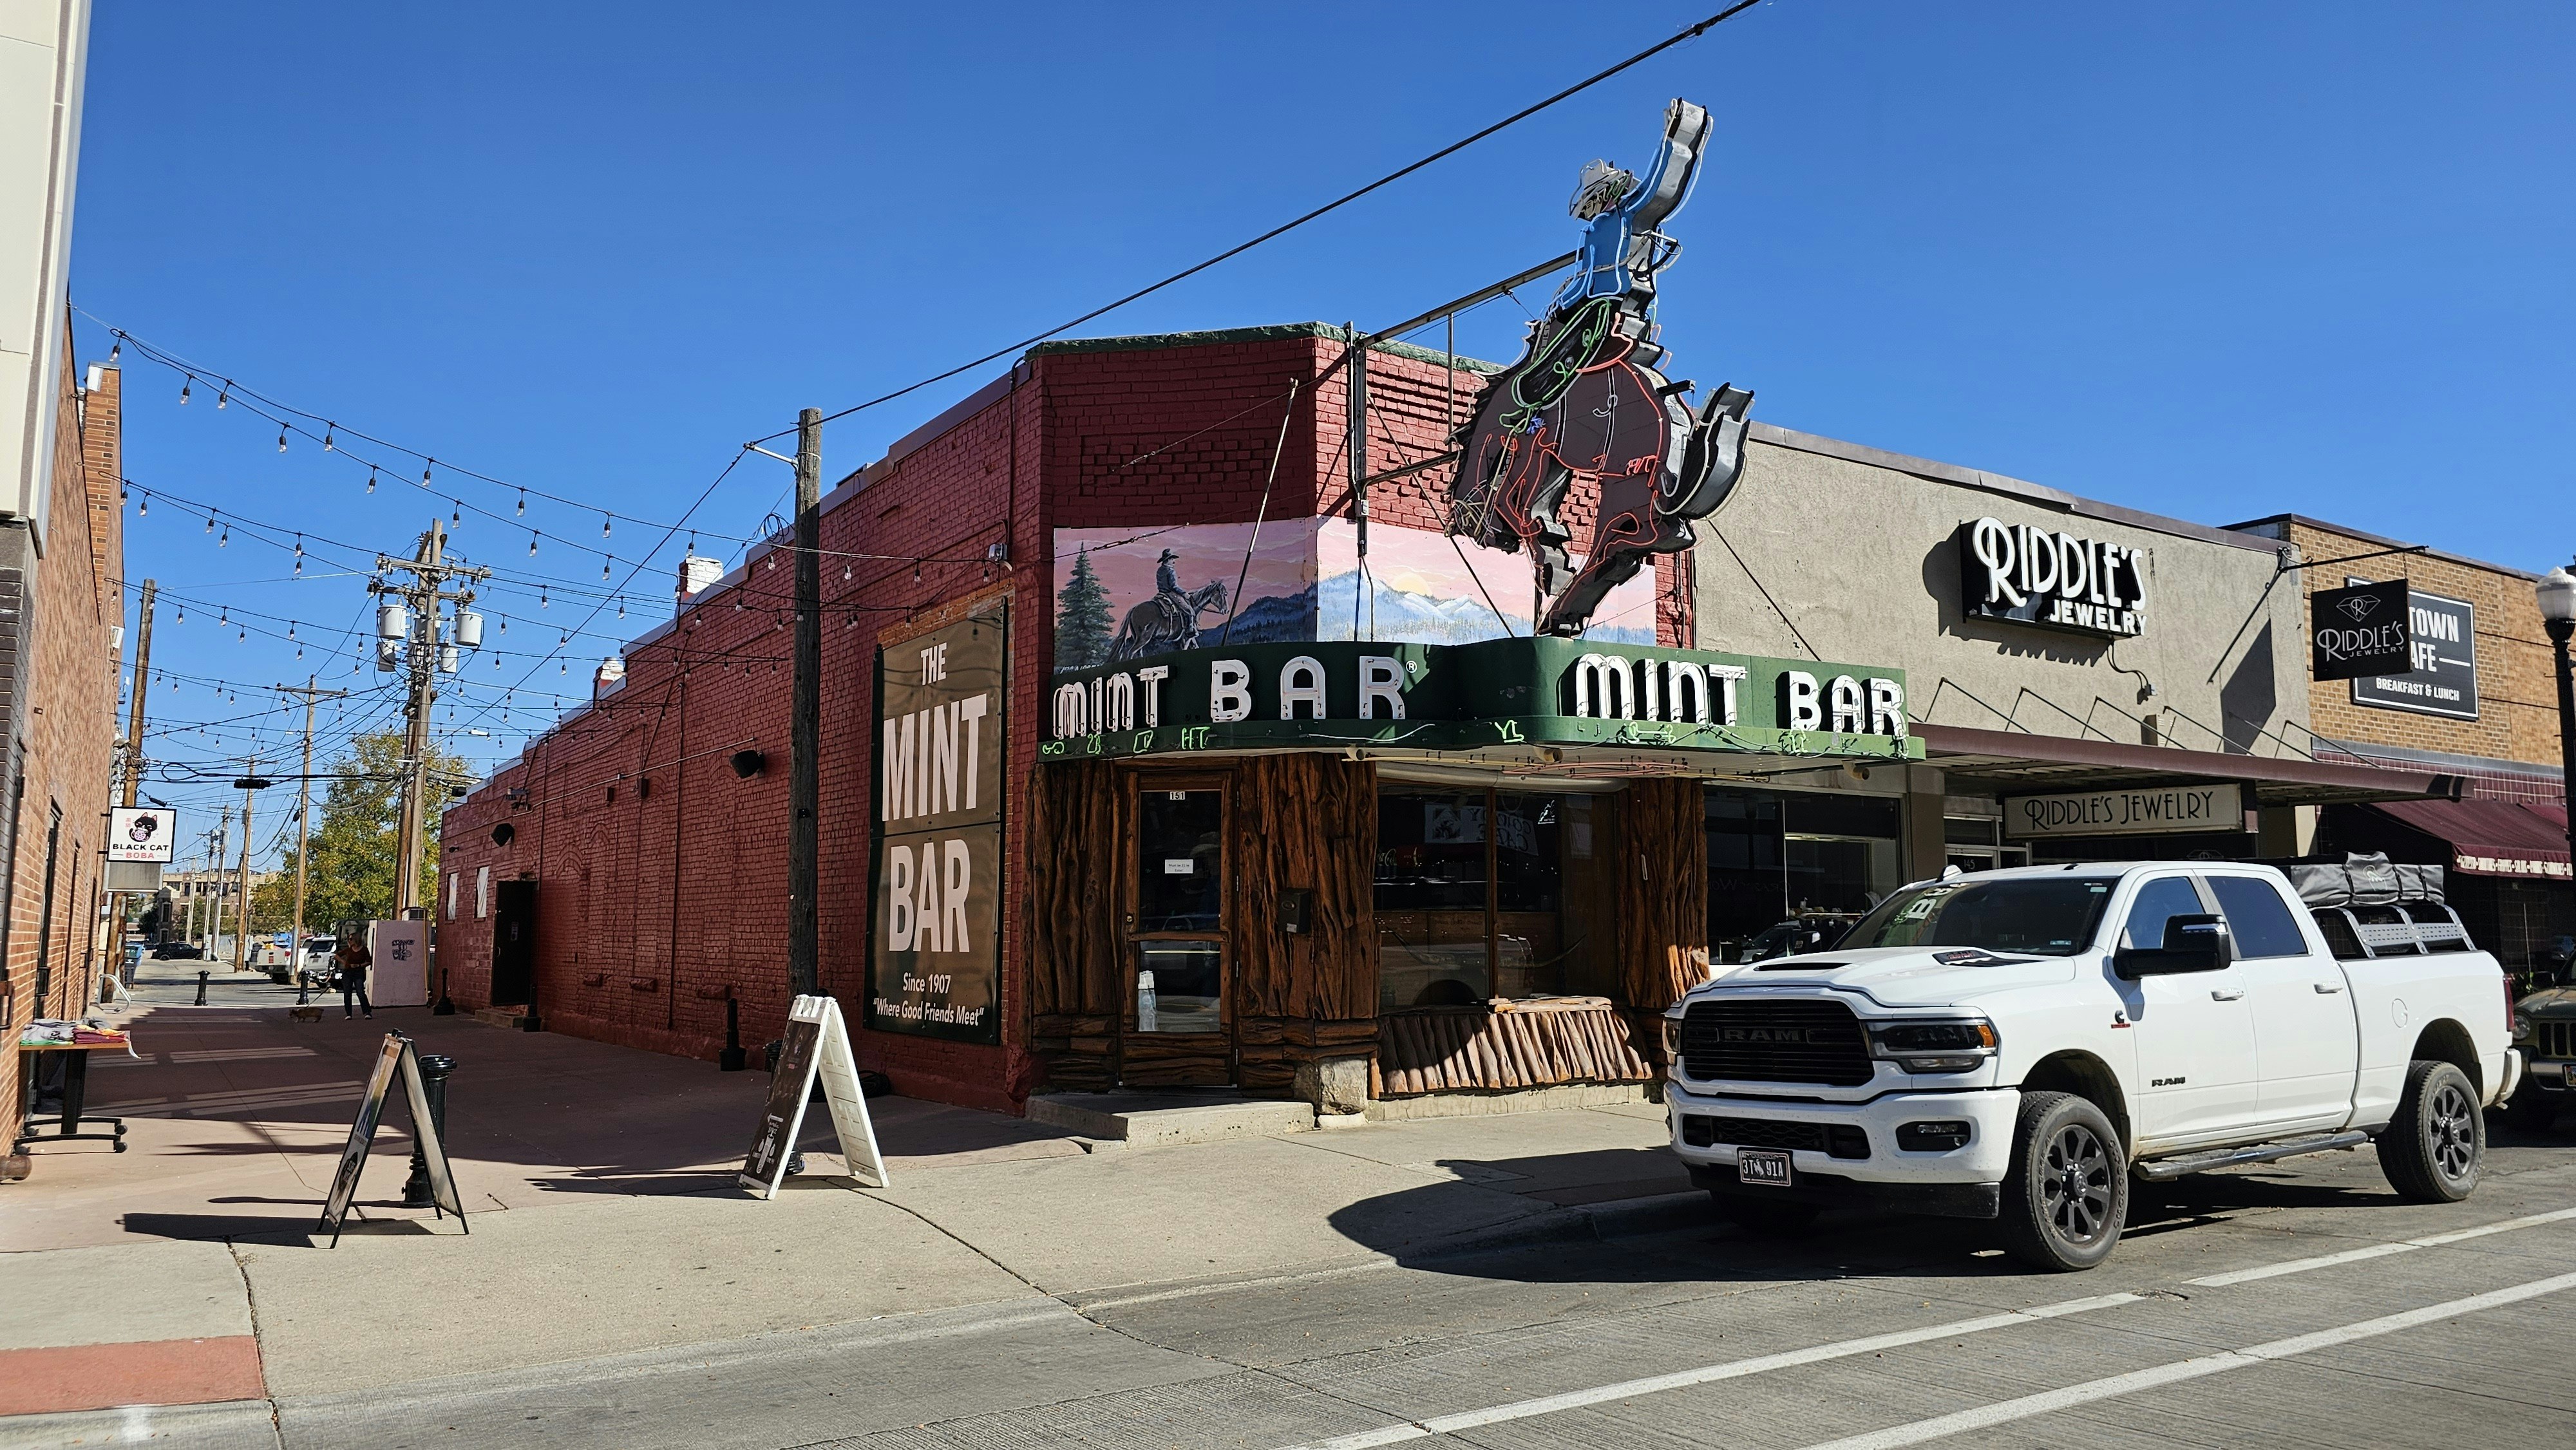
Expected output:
(352, 959)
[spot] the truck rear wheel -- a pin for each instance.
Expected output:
(2066, 1196)
(2435, 1147)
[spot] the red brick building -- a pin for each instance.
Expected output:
(659, 865)
(62, 615)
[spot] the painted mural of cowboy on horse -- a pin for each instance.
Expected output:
(1586, 408)
(1169, 620)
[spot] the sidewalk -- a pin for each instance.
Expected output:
(600, 1187)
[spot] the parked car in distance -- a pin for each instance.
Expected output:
(315, 970)
(178, 951)
(2018, 1044)
(2544, 1032)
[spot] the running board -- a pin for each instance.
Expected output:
(2164, 1169)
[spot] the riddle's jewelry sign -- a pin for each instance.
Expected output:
(934, 940)
(2030, 575)
(2126, 812)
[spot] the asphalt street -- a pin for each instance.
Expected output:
(2298, 1305)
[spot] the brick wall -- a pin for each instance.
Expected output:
(2517, 691)
(60, 677)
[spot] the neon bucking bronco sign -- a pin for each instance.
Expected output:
(1584, 424)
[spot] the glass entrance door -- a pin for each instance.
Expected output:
(1178, 975)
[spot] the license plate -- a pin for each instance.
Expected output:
(1762, 1167)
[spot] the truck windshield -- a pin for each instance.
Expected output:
(2051, 916)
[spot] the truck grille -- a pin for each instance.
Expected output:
(1771, 1041)
(1701, 1131)
(2549, 1039)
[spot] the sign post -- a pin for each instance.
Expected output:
(397, 1055)
(817, 1049)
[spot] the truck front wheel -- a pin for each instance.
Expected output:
(2066, 1195)
(2434, 1148)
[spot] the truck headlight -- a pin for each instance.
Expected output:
(2521, 1028)
(1673, 1037)
(1961, 1045)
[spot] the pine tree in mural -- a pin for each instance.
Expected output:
(1082, 619)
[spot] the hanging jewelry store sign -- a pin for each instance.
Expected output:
(2029, 575)
(934, 941)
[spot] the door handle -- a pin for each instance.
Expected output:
(2223, 994)
(2327, 989)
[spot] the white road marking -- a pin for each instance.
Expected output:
(1709, 1374)
(2377, 1251)
(2006, 1411)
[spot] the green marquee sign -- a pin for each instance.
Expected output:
(1499, 692)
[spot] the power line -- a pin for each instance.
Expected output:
(1689, 33)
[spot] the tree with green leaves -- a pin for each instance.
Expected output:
(353, 844)
(1082, 619)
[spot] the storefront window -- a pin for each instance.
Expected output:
(1486, 894)
(1430, 895)
(1816, 858)
(1747, 890)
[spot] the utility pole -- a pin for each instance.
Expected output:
(249, 785)
(142, 676)
(303, 815)
(429, 651)
(223, 834)
(804, 789)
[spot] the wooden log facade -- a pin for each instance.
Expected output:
(1305, 825)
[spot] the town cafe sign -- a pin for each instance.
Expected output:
(1542, 692)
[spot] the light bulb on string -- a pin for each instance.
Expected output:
(458, 516)
(327, 430)
(210, 521)
(143, 509)
(523, 503)
(603, 573)
(281, 438)
(532, 543)
(225, 540)
(116, 351)
(371, 478)
(542, 602)
(845, 573)
(425, 467)
(224, 396)
(603, 525)
(183, 390)
(621, 609)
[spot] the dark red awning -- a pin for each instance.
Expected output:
(2491, 838)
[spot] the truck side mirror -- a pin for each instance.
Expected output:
(2193, 943)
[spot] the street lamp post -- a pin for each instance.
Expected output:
(2558, 616)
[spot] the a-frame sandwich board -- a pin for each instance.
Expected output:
(817, 1050)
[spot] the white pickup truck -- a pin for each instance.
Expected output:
(2017, 1044)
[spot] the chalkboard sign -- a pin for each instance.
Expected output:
(817, 1050)
(397, 1054)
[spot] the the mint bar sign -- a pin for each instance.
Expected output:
(2030, 575)
(1283, 692)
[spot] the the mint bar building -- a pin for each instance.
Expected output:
(1446, 856)
(1364, 724)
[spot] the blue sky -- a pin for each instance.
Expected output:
(2211, 260)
